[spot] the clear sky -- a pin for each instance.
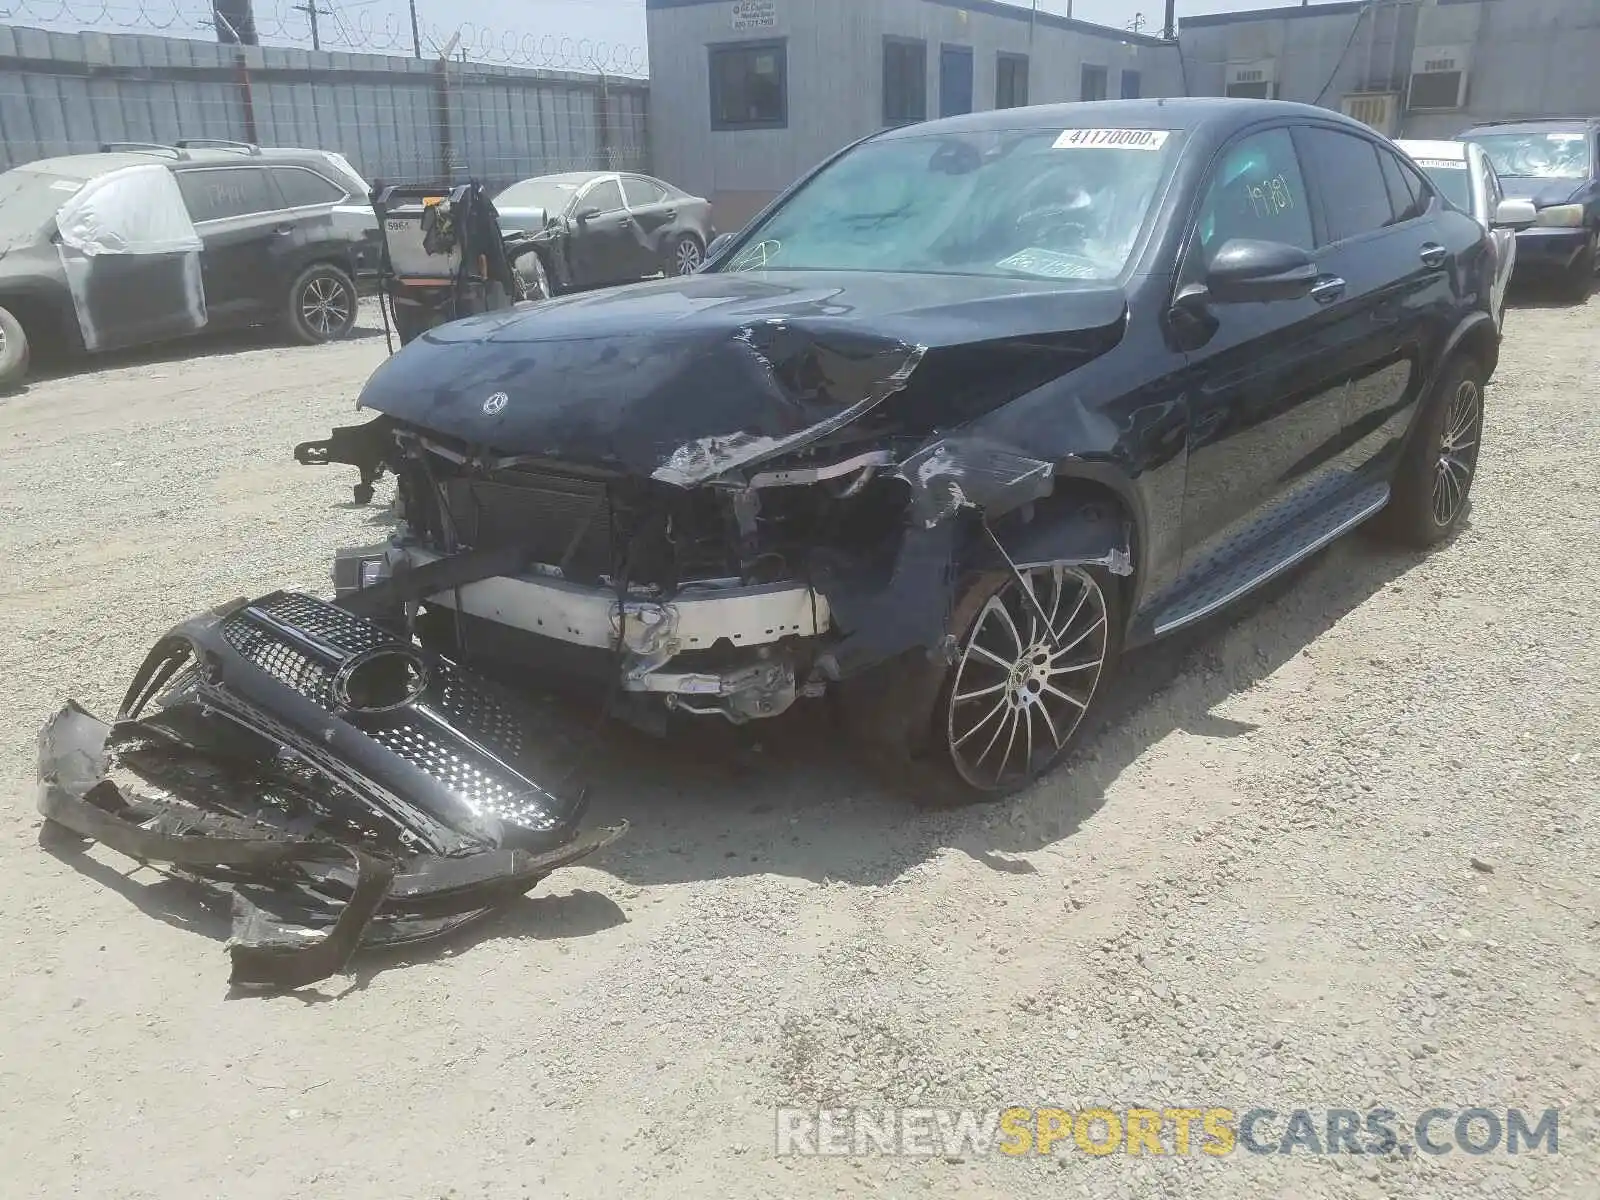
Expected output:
(504, 30)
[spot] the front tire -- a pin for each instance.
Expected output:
(322, 305)
(530, 269)
(14, 350)
(1027, 672)
(1434, 479)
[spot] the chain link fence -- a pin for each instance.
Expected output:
(434, 118)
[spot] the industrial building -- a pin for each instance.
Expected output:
(745, 95)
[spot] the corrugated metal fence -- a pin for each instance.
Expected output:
(394, 118)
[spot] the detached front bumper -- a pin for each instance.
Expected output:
(713, 648)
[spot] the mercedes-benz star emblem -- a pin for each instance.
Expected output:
(495, 403)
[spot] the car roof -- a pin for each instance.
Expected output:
(88, 166)
(1434, 148)
(565, 177)
(1185, 113)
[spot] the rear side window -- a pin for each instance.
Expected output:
(1257, 191)
(1354, 194)
(641, 192)
(215, 195)
(301, 188)
(1408, 195)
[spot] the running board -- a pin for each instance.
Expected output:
(1272, 557)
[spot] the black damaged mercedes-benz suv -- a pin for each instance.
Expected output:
(970, 409)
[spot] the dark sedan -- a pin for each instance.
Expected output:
(594, 229)
(974, 406)
(1555, 163)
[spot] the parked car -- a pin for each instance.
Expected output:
(1466, 177)
(976, 405)
(139, 244)
(1556, 164)
(596, 228)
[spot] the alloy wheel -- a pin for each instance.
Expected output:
(690, 256)
(325, 306)
(1458, 452)
(1028, 671)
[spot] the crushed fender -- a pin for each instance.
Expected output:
(346, 788)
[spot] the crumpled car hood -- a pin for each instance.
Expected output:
(685, 378)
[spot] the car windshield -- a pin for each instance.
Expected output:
(1557, 155)
(1450, 176)
(538, 193)
(1033, 204)
(29, 201)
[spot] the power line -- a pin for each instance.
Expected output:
(313, 12)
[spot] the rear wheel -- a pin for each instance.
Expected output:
(687, 255)
(322, 304)
(1436, 471)
(13, 350)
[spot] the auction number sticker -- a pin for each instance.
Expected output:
(1113, 139)
(1442, 164)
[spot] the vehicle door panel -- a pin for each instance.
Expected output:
(130, 257)
(602, 246)
(1380, 234)
(1400, 280)
(320, 231)
(1266, 400)
(246, 234)
(657, 220)
(1503, 239)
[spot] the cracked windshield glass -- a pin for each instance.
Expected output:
(1538, 155)
(1038, 205)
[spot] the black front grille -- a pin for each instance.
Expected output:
(563, 521)
(472, 739)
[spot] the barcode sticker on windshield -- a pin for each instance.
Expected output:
(66, 185)
(1113, 139)
(1442, 164)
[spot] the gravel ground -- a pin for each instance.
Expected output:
(1257, 888)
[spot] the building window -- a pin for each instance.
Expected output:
(750, 86)
(1130, 85)
(905, 81)
(1011, 81)
(1094, 83)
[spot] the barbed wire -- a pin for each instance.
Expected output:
(350, 27)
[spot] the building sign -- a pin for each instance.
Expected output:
(755, 14)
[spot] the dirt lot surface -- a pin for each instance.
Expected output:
(1336, 850)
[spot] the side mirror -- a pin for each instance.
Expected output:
(1515, 214)
(587, 213)
(717, 243)
(1245, 271)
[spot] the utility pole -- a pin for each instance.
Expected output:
(416, 30)
(311, 10)
(234, 21)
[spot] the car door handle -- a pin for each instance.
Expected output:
(284, 230)
(1328, 290)
(1433, 255)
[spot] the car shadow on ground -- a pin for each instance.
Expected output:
(788, 799)
(1541, 293)
(785, 797)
